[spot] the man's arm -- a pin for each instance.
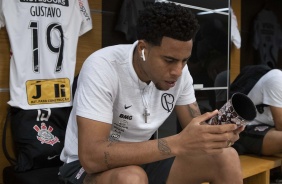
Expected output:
(276, 114)
(185, 113)
(97, 153)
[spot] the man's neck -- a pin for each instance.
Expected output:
(137, 65)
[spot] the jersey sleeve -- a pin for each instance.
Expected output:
(272, 89)
(2, 20)
(96, 90)
(86, 16)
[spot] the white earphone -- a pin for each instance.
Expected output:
(143, 55)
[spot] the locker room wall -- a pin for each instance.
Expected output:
(88, 43)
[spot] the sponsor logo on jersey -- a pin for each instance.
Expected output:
(57, 2)
(44, 134)
(50, 91)
(127, 107)
(114, 136)
(52, 157)
(119, 128)
(83, 10)
(124, 116)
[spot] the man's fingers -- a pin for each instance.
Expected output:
(204, 117)
(224, 137)
(216, 147)
(239, 129)
(220, 129)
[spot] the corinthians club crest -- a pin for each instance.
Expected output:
(44, 134)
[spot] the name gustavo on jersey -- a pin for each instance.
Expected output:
(45, 11)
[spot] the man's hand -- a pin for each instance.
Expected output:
(198, 138)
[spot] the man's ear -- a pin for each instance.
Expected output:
(141, 49)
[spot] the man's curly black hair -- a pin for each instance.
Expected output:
(166, 19)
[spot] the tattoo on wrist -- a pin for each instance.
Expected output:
(106, 159)
(163, 147)
(110, 143)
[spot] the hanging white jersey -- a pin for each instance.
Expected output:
(43, 36)
(267, 37)
(235, 33)
(128, 15)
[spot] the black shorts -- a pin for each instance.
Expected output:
(251, 139)
(39, 136)
(157, 172)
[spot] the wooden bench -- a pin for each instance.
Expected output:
(256, 170)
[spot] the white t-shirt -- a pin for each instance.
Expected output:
(268, 90)
(109, 91)
(43, 36)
